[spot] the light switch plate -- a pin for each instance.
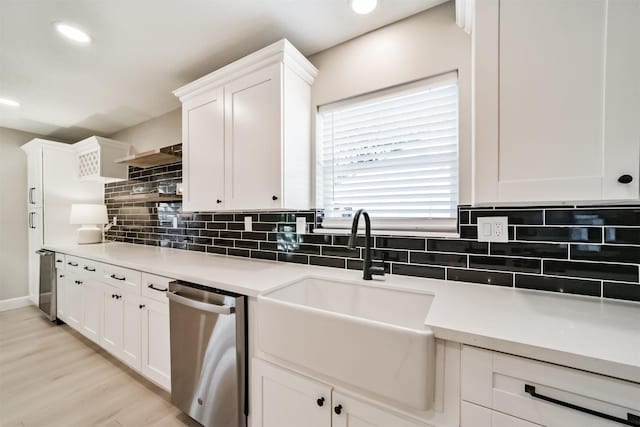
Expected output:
(493, 229)
(248, 224)
(301, 225)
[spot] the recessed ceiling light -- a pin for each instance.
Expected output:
(73, 33)
(363, 7)
(9, 102)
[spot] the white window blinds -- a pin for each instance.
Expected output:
(393, 153)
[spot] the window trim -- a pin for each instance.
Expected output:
(428, 226)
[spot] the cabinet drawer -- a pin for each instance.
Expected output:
(90, 268)
(155, 287)
(518, 386)
(123, 278)
(60, 261)
(478, 416)
(73, 263)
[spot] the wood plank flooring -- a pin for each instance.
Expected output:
(52, 376)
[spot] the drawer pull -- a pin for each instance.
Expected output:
(632, 420)
(73, 264)
(113, 276)
(58, 260)
(89, 268)
(150, 286)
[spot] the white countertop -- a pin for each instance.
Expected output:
(586, 333)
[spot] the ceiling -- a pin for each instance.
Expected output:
(144, 49)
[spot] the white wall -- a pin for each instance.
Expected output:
(13, 213)
(420, 46)
(155, 133)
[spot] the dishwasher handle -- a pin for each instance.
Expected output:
(198, 305)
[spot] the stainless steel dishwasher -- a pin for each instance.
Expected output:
(208, 359)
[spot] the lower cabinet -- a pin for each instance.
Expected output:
(128, 323)
(510, 391)
(281, 398)
(156, 349)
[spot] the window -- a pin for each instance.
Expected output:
(393, 153)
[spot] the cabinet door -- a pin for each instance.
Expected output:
(132, 308)
(156, 350)
(112, 320)
(203, 152)
(34, 178)
(61, 295)
(92, 303)
(74, 298)
(554, 111)
(34, 221)
(477, 416)
(253, 136)
(350, 412)
(281, 398)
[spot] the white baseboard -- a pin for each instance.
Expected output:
(11, 303)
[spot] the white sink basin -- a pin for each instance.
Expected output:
(370, 337)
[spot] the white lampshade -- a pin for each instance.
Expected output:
(88, 214)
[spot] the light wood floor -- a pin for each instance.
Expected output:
(52, 376)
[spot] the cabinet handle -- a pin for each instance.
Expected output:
(78, 282)
(31, 195)
(320, 402)
(73, 264)
(274, 197)
(150, 286)
(338, 409)
(61, 276)
(89, 268)
(218, 201)
(632, 420)
(625, 179)
(141, 306)
(118, 296)
(113, 276)
(58, 260)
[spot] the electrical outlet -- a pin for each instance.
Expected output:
(493, 229)
(301, 225)
(248, 224)
(174, 222)
(115, 220)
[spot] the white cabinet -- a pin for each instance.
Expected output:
(34, 178)
(477, 416)
(246, 133)
(132, 308)
(112, 321)
(62, 295)
(73, 291)
(281, 398)
(92, 296)
(519, 387)
(35, 235)
(203, 152)
(556, 100)
(156, 349)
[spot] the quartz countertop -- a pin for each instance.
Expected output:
(586, 333)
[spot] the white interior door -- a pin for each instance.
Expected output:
(203, 152)
(253, 135)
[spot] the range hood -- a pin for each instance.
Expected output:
(96, 159)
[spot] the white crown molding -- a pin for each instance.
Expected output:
(279, 52)
(464, 14)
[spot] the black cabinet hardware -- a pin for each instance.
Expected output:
(150, 286)
(89, 268)
(73, 264)
(141, 306)
(62, 276)
(113, 276)
(118, 296)
(58, 260)
(218, 201)
(625, 179)
(78, 282)
(320, 401)
(632, 420)
(274, 197)
(113, 296)
(31, 195)
(338, 409)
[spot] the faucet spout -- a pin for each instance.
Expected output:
(367, 269)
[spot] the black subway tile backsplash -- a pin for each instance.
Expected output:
(578, 250)
(558, 284)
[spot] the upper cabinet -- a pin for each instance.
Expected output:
(246, 133)
(556, 100)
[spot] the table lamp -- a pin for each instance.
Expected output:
(91, 218)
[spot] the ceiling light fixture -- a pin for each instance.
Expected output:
(73, 33)
(9, 102)
(362, 7)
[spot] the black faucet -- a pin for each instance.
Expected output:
(367, 270)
